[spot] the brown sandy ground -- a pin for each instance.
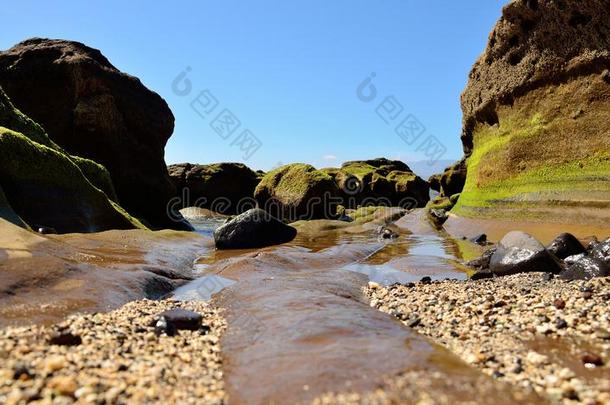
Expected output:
(550, 336)
(120, 359)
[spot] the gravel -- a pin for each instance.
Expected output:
(548, 336)
(114, 357)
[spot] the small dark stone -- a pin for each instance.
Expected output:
(438, 217)
(587, 295)
(479, 239)
(543, 318)
(122, 367)
(425, 280)
(413, 322)
(499, 304)
(559, 303)
(163, 326)
(561, 323)
(182, 318)
(46, 230)
(386, 233)
(64, 338)
(22, 372)
(496, 374)
(518, 369)
(410, 285)
(548, 276)
(592, 358)
(606, 76)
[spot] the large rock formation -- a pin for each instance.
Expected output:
(43, 186)
(537, 114)
(91, 109)
(227, 188)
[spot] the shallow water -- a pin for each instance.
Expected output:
(300, 325)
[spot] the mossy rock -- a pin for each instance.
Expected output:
(13, 119)
(226, 188)
(46, 188)
(453, 179)
(440, 203)
(298, 191)
(435, 182)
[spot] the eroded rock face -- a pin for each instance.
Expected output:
(227, 188)
(254, 228)
(536, 112)
(91, 109)
(586, 269)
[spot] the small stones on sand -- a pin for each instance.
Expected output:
(120, 358)
(509, 326)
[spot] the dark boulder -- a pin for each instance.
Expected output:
(519, 252)
(227, 188)
(253, 229)
(586, 269)
(91, 109)
(566, 245)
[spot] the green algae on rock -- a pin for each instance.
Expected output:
(536, 114)
(45, 187)
(298, 191)
(93, 110)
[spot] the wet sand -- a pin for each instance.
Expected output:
(44, 278)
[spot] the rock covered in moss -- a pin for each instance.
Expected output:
(43, 186)
(298, 191)
(227, 188)
(93, 110)
(435, 182)
(453, 179)
(536, 112)
(381, 182)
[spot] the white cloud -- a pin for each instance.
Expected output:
(329, 158)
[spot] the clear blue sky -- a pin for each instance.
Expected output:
(288, 70)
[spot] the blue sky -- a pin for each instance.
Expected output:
(287, 70)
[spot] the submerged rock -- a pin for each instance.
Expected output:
(586, 269)
(253, 229)
(91, 109)
(566, 245)
(519, 252)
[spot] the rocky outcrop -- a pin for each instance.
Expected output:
(379, 182)
(91, 109)
(453, 179)
(254, 228)
(44, 187)
(536, 112)
(227, 188)
(298, 191)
